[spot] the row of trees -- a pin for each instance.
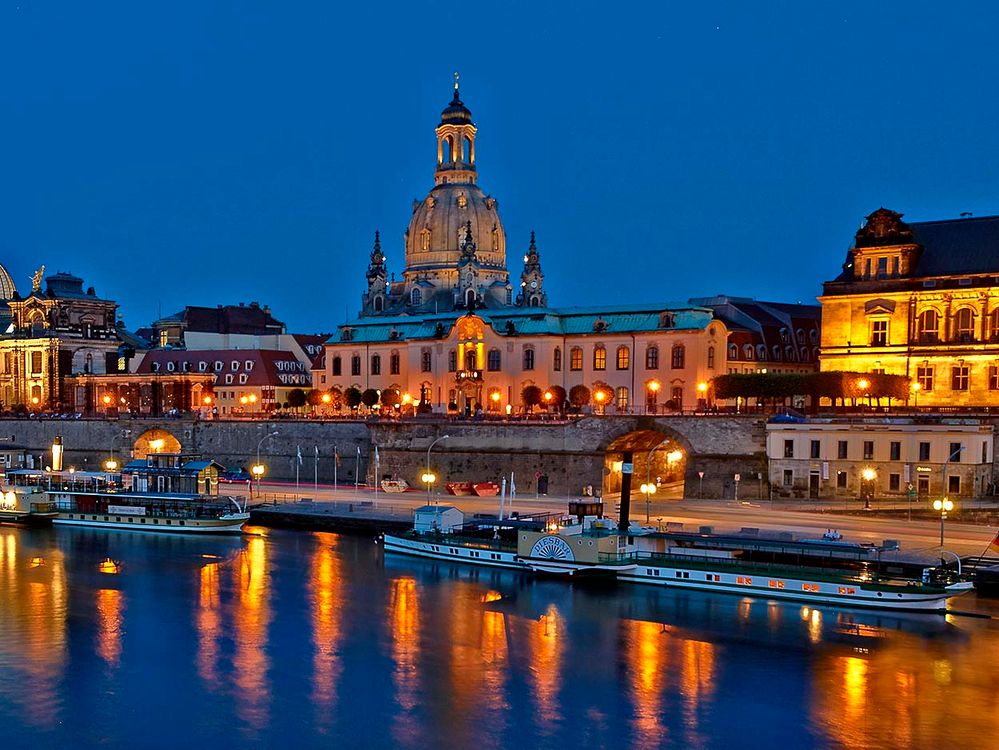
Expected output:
(836, 386)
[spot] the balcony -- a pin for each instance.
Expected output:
(468, 376)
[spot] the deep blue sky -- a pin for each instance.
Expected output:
(214, 152)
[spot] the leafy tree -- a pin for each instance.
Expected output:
(296, 398)
(579, 396)
(370, 397)
(314, 397)
(603, 394)
(558, 399)
(352, 397)
(391, 398)
(336, 398)
(531, 396)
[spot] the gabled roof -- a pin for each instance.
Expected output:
(266, 367)
(249, 319)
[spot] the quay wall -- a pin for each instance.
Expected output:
(572, 454)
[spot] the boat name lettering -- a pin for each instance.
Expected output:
(127, 510)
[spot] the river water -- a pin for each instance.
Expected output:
(292, 639)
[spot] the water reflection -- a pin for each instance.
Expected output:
(294, 636)
(110, 617)
(326, 590)
(33, 607)
(251, 617)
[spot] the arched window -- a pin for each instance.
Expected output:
(470, 359)
(493, 360)
(535, 301)
(599, 357)
(416, 297)
(355, 365)
(446, 150)
(576, 358)
(88, 365)
(469, 298)
(652, 357)
(452, 360)
(928, 326)
(394, 363)
(678, 357)
(509, 296)
(557, 360)
(528, 358)
(622, 398)
(776, 353)
(337, 366)
(711, 358)
(379, 303)
(376, 364)
(964, 325)
(466, 150)
(994, 325)
(733, 351)
(789, 350)
(747, 351)
(623, 358)
(761, 351)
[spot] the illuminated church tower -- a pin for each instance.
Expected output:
(455, 246)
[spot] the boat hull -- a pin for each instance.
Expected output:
(230, 524)
(840, 594)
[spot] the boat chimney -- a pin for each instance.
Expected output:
(627, 467)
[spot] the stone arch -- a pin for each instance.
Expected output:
(155, 440)
(657, 454)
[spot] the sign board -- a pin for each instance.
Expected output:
(700, 475)
(127, 510)
(627, 468)
(738, 477)
(907, 473)
(825, 471)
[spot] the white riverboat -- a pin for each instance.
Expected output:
(164, 492)
(718, 563)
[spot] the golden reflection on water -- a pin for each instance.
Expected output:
(208, 623)
(404, 622)
(545, 647)
(33, 604)
(110, 618)
(326, 587)
(250, 620)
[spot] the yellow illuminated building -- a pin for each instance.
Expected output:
(920, 300)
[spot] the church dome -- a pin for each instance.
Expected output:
(438, 225)
(456, 112)
(7, 288)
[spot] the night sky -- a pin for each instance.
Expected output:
(215, 152)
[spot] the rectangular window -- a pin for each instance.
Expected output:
(788, 449)
(452, 360)
(576, 359)
(924, 451)
(775, 584)
(426, 360)
(788, 477)
(355, 365)
(868, 450)
(894, 482)
(955, 452)
(894, 451)
(599, 358)
(813, 587)
(841, 480)
(985, 452)
(953, 485)
(528, 359)
(882, 267)
(394, 363)
(841, 449)
(959, 377)
(376, 364)
(879, 333)
(815, 448)
(36, 363)
(337, 368)
(924, 375)
(744, 581)
(994, 377)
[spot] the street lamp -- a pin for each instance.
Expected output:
(915, 388)
(943, 507)
(868, 475)
(648, 489)
(651, 398)
(702, 395)
(862, 385)
(111, 465)
(429, 477)
(258, 471)
(600, 396)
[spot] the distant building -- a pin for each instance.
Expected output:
(54, 335)
(455, 334)
(919, 299)
(823, 458)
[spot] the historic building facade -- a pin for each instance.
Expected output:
(55, 334)
(921, 300)
(456, 334)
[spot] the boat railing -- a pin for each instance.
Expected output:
(866, 574)
(459, 540)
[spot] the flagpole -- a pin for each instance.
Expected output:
(298, 468)
(316, 476)
(357, 470)
(376, 472)
(502, 497)
(336, 460)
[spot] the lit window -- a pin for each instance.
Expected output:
(599, 357)
(959, 377)
(623, 358)
(576, 358)
(879, 332)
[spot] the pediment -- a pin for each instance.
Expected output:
(879, 307)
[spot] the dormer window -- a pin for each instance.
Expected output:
(202, 367)
(234, 365)
(248, 365)
(218, 365)
(171, 366)
(667, 320)
(600, 325)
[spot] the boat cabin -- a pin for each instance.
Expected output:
(443, 518)
(173, 473)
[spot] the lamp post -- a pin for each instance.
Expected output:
(429, 477)
(702, 395)
(943, 507)
(648, 489)
(867, 475)
(915, 388)
(862, 385)
(651, 399)
(600, 396)
(258, 468)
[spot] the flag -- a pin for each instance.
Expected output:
(513, 486)
(299, 454)
(317, 451)
(336, 455)
(358, 450)
(376, 454)
(995, 544)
